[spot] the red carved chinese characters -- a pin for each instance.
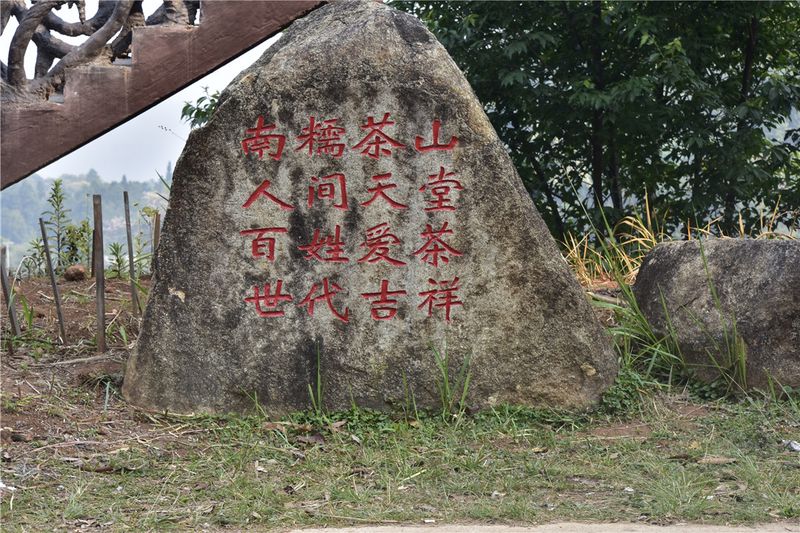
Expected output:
(441, 296)
(325, 136)
(435, 144)
(332, 187)
(376, 143)
(378, 240)
(261, 140)
(332, 246)
(329, 290)
(435, 248)
(440, 187)
(262, 190)
(384, 306)
(260, 242)
(379, 191)
(270, 302)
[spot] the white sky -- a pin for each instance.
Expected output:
(145, 144)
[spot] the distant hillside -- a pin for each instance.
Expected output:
(22, 204)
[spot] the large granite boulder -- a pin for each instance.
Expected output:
(728, 300)
(349, 208)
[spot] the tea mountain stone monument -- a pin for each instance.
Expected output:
(349, 212)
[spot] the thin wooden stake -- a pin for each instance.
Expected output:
(91, 261)
(8, 293)
(51, 272)
(156, 238)
(132, 267)
(99, 273)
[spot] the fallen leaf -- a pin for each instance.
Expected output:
(715, 460)
(538, 449)
(205, 509)
(336, 426)
(316, 438)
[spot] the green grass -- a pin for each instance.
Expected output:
(509, 465)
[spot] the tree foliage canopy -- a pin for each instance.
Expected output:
(688, 103)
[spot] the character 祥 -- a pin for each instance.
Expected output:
(384, 306)
(435, 248)
(332, 187)
(260, 242)
(379, 191)
(332, 246)
(435, 145)
(325, 136)
(261, 140)
(329, 290)
(378, 240)
(267, 303)
(440, 187)
(262, 190)
(375, 143)
(441, 296)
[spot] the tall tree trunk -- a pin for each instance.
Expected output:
(729, 223)
(613, 170)
(555, 215)
(596, 138)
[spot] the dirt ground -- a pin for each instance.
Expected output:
(53, 390)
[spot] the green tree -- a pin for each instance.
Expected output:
(56, 222)
(609, 101)
(200, 112)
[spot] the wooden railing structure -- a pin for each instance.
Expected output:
(127, 64)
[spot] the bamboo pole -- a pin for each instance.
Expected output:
(99, 273)
(53, 282)
(8, 293)
(156, 239)
(131, 266)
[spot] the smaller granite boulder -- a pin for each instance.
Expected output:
(725, 297)
(75, 273)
